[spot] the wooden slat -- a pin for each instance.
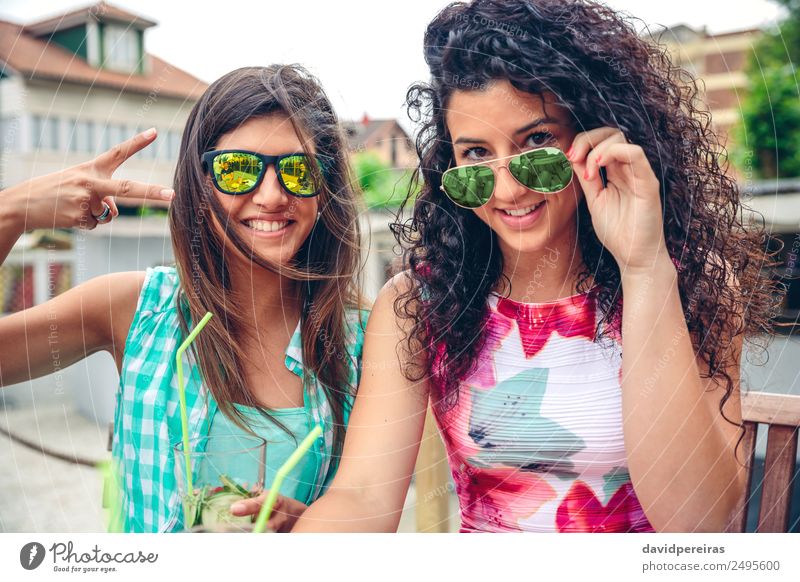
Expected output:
(432, 479)
(771, 408)
(778, 474)
(748, 449)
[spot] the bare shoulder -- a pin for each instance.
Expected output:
(392, 331)
(402, 282)
(114, 297)
(116, 289)
(401, 285)
(383, 310)
(128, 287)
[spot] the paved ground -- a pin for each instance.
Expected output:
(41, 494)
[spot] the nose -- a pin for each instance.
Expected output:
(507, 189)
(270, 193)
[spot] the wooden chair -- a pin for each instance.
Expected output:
(781, 414)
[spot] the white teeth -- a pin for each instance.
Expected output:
(522, 211)
(267, 225)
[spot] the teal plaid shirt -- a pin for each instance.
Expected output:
(147, 420)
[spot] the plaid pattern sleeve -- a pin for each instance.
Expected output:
(147, 417)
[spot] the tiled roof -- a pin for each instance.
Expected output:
(100, 12)
(360, 133)
(35, 58)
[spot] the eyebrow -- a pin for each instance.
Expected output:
(536, 123)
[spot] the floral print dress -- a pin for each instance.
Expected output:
(535, 440)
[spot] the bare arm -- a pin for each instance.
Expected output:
(383, 434)
(680, 448)
(91, 317)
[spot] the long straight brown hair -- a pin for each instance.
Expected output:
(327, 266)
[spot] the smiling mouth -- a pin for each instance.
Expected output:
(523, 211)
(267, 225)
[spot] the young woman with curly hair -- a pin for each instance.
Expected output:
(578, 287)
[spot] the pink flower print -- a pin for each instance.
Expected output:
(500, 497)
(496, 330)
(454, 427)
(570, 317)
(582, 511)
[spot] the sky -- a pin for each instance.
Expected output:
(366, 53)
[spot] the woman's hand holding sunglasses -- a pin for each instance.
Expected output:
(626, 214)
(81, 196)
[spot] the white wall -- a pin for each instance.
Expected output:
(103, 107)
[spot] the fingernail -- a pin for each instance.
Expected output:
(569, 153)
(167, 194)
(238, 506)
(598, 159)
(150, 132)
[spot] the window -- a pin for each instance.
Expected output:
(85, 136)
(121, 48)
(71, 138)
(16, 285)
(81, 136)
(38, 278)
(9, 134)
(113, 134)
(44, 133)
(150, 152)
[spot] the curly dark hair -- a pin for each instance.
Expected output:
(592, 59)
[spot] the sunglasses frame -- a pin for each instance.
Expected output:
(207, 161)
(494, 172)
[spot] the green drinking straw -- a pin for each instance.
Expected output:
(182, 392)
(280, 475)
(111, 493)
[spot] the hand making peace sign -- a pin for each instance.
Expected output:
(82, 196)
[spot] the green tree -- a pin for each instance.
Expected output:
(382, 185)
(768, 136)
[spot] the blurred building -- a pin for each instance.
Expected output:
(78, 83)
(719, 61)
(72, 86)
(386, 138)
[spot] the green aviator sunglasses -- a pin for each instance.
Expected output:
(545, 170)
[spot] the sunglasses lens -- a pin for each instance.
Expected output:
(236, 172)
(297, 176)
(469, 186)
(545, 170)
